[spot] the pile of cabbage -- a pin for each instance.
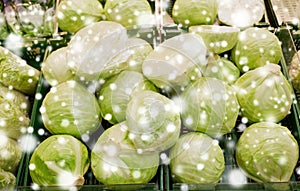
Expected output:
(126, 107)
(18, 82)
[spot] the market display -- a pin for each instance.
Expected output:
(125, 103)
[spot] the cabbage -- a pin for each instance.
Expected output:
(218, 39)
(3, 27)
(267, 152)
(92, 47)
(153, 121)
(128, 13)
(209, 105)
(256, 47)
(115, 160)
(196, 12)
(294, 70)
(7, 180)
(70, 108)
(222, 69)
(264, 94)
(196, 158)
(240, 13)
(73, 15)
(55, 68)
(130, 57)
(15, 72)
(10, 154)
(115, 94)
(59, 160)
(176, 62)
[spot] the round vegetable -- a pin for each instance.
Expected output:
(153, 121)
(60, 160)
(115, 94)
(176, 62)
(222, 69)
(294, 70)
(218, 39)
(128, 13)
(196, 158)
(240, 13)
(196, 12)
(55, 68)
(73, 15)
(7, 180)
(267, 152)
(256, 47)
(264, 94)
(115, 160)
(209, 105)
(10, 154)
(70, 108)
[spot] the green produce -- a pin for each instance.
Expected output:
(267, 152)
(176, 62)
(153, 121)
(209, 105)
(128, 13)
(116, 92)
(70, 108)
(15, 98)
(73, 15)
(218, 39)
(93, 47)
(222, 69)
(7, 180)
(15, 72)
(10, 154)
(294, 70)
(55, 68)
(3, 27)
(60, 160)
(115, 160)
(264, 94)
(240, 13)
(196, 158)
(196, 12)
(130, 57)
(256, 47)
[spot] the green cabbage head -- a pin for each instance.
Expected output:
(195, 12)
(153, 121)
(196, 158)
(267, 152)
(264, 94)
(209, 105)
(73, 15)
(115, 94)
(7, 180)
(59, 160)
(10, 154)
(70, 108)
(256, 47)
(115, 160)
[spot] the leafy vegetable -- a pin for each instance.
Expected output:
(15, 72)
(196, 158)
(70, 108)
(256, 47)
(73, 15)
(7, 180)
(294, 70)
(264, 94)
(210, 106)
(196, 12)
(60, 160)
(10, 154)
(267, 152)
(115, 160)
(153, 121)
(115, 94)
